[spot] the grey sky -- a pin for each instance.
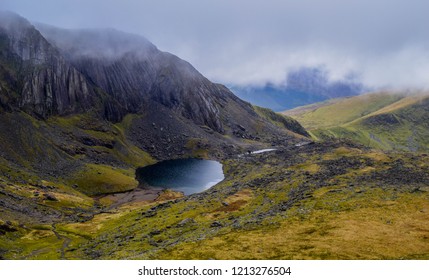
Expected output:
(384, 42)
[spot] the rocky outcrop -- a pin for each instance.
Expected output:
(44, 83)
(132, 72)
(48, 71)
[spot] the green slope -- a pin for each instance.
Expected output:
(385, 120)
(326, 201)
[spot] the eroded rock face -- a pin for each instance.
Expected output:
(44, 82)
(65, 71)
(132, 71)
(48, 71)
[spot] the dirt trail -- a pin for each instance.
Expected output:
(66, 241)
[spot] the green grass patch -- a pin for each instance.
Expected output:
(102, 179)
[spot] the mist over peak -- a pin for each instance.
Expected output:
(12, 21)
(383, 42)
(102, 43)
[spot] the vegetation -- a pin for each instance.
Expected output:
(326, 201)
(281, 121)
(72, 138)
(388, 121)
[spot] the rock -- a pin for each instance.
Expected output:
(155, 232)
(241, 128)
(6, 227)
(185, 222)
(225, 204)
(57, 87)
(149, 213)
(50, 197)
(216, 224)
(416, 190)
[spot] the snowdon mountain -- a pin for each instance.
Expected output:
(69, 98)
(302, 87)
(133, 72)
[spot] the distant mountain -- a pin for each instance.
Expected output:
(302, 87)
(384, 120)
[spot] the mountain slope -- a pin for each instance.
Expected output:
(35, 77)
(386, 120)
(133, 72)
(68, 159)
(74, 98)
(137, 78)
(332, 200)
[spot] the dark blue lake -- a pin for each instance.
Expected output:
(186, 175)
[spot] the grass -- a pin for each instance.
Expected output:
(388, 231)
(336, 223)
(333, 222)
(387, 121)
(321, 201)
(102, 179)
(36, 244)
(195, 147)
(346, 110)
(281, 121)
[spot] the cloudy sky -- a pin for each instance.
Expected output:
(385, 43)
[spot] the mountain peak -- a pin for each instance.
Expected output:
(113, 74)
(12, 21)
(105, 43)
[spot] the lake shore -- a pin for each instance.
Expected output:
(139, 194)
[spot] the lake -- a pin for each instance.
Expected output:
(186, 175)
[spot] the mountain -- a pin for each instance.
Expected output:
(34, 75)
(74, 98)
(133, 72)
(81, 110)
(304, 86)
(385, 120)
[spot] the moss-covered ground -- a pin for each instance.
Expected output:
(318, 201)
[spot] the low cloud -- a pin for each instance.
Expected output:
(384, 43)
(407, 67)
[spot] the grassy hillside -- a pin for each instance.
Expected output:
(327, 201)
(324, 200)
(389, 121)
(281, 120)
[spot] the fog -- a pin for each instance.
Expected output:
(382, 43)
(102, 43)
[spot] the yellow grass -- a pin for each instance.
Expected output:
(383, 230)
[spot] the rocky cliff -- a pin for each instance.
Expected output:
(101, 96)
(133, 72)
(36, 78)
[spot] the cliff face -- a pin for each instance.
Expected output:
(134, 72)
(40, 81)
(47, 71)
(57, 72)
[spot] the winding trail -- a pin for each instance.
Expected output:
(66, 241)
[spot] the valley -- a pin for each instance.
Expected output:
(343, 179)
(319, 201)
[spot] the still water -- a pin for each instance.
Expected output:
(186, 175)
